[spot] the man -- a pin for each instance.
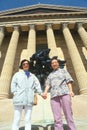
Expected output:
(23, 86)
(59, 82)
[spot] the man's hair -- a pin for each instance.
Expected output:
(21, 64)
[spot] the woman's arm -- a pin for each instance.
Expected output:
(70, 89)
(45, 91)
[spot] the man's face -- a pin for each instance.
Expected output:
(25, 66)
(54, 64)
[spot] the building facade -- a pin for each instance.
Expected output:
(24, 31)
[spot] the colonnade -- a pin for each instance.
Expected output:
(80, 71)
(7, 69)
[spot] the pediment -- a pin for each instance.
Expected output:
(41, 9)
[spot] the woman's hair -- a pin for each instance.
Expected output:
(54, 58)
(21, 64)
(61, 62)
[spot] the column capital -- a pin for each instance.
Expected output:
(65, 24)
(49, 25)
(79, 24)
(31, 26)
(16, 27)
(2, 29)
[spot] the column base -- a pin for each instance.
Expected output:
(4, 96)
(83, 91)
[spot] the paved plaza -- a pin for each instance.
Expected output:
(42, 117)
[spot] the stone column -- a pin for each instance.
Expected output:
(1, 34)
(31, 45)
(83, 34)
(51, 41)
(76, 60)
(7, 69)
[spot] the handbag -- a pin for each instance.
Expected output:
(35, 99)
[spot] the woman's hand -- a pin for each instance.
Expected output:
(72, 94)
(44, 95)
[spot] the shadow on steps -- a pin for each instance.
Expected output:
(48, 127)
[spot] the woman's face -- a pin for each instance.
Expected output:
(25, 66)
(54, 64)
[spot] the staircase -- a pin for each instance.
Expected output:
(42, 117)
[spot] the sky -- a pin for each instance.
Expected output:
(11, 4)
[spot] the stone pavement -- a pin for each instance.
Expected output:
(42, 117)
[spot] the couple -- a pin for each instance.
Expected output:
(24, 84)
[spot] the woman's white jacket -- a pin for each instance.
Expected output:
(23, 88)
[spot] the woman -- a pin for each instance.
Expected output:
(23, 86)
(59, 82)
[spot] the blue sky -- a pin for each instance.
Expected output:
(10, 4)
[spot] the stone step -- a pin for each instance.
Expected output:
(42, 117)
(41, 127)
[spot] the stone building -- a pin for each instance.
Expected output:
(24, 31)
